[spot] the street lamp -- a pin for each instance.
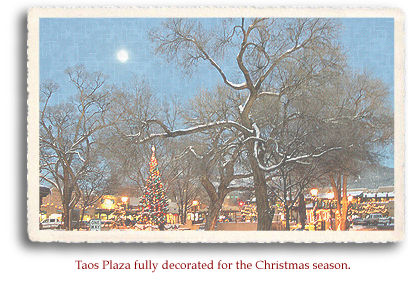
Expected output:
(194, 204)
(314, 193)
(330, 196)
(124, 201)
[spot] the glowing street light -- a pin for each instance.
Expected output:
(194, 203)
(108, 204)
(124, 201)
(330, 195)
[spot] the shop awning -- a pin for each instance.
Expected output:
(355, 193)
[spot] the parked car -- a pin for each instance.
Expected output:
(300, 229)
(201, 227)
(358, 221)
(386, 223)
(50, 223)
(372, 219)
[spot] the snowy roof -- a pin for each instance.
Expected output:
(355, 193)
(379, 194)
(386, 189)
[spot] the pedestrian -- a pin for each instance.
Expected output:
(161, 226)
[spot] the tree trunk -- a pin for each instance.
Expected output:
(182, 215)
(216, 198)
(65, 215)
(337, 196)
(287, 218)
(185, 212)
(213, 213)
(342, 203)
(302, 210)
(82, 215)
(265, 214)
(343, 220)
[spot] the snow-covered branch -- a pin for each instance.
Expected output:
(189, 149)
(270, 94)
(291, 158)
(171, 134)
(49, 181)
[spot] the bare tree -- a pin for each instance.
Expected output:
(216, 170)
(68, 131)
(183, 186)
(98, 181)
(360, 117)
(289, 183)
(274, 57)
(217, 152)
(292, 127)
(141, 107)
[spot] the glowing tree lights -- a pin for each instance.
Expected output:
(154, 202)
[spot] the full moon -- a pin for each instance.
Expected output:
(123, 56)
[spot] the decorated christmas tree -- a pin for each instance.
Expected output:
(154, 202)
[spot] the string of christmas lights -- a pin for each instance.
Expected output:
(249, 212)
(366, 209)
(154, 201)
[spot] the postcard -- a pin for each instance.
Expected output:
(210, 124)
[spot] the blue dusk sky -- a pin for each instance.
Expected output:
(96, 42)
